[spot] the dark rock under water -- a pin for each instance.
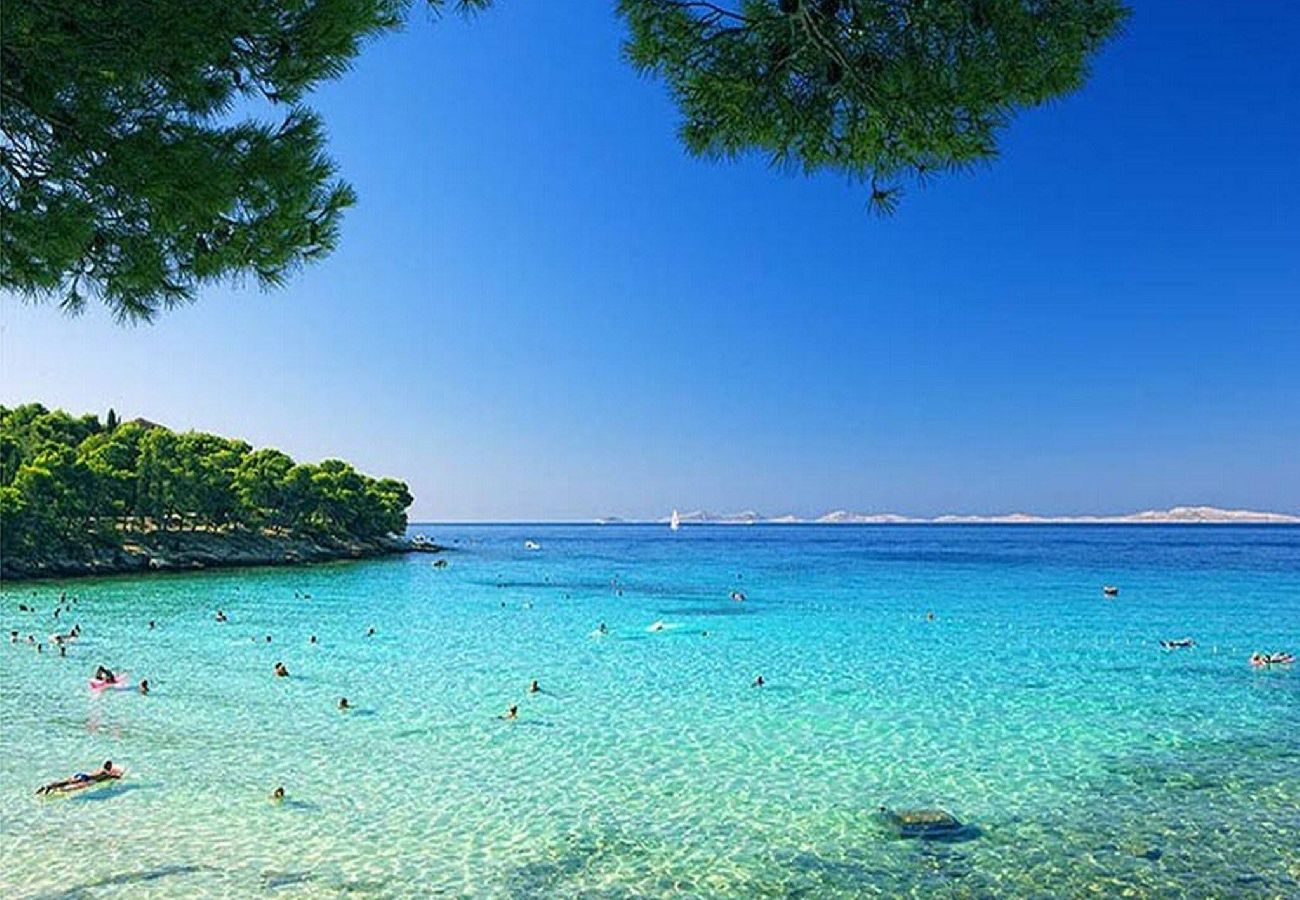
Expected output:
(926, 824)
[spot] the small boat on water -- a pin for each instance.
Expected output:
(1110, 590)
(675, 522)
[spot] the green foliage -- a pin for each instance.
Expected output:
(876, 89)
(69, 485)
(122, 173)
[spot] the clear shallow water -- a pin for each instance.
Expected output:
(1088, 760)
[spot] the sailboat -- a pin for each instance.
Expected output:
(675, 522)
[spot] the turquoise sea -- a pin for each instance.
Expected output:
(1085, 759)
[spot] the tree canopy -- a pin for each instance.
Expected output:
(124, 174)
(69, 483)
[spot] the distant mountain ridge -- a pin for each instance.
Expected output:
(1176, 515)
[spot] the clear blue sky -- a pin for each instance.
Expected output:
(542, 308)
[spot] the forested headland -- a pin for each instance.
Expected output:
(79, 495)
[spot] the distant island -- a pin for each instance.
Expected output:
(1177, 515)
(82, 497)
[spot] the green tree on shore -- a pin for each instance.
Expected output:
(124, 176)
(69, 486)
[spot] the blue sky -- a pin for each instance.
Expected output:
(542, 308)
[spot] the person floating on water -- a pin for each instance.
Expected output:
(758, 682)
(103, 673)
(1262, 660)
(510, 714)
(106, 772)
(277, 795)
(343, 704)
(1176, 644)
(144, 685)
(281, 671)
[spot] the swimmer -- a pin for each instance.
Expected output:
(63, 651)
(104, 674)
(534, 687)
(144, 685)
(13, 637)
(929, 616)
(343, 704)
(268, 639)
(277, 795)
(281, 671)
(758, 682)
(1176, 644)
(1110, 590)
(313, 639)
(738, 596)
(152, 625)
(370, 632)
(221, 617)
(105, 772)
(510, 714)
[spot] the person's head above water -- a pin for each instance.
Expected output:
(343, 703)
(277, 794)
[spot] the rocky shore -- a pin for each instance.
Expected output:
(171, 551)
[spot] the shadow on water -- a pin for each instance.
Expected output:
(107, 793)
(126, 879)
(274, 880)
(298, 805)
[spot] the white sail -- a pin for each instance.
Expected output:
(675, 522)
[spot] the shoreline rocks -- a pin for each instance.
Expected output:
(183, 551)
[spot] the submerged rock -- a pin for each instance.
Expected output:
(924, 823)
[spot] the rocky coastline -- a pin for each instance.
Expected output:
(185, 551)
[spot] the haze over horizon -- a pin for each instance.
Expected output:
(542, 309)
